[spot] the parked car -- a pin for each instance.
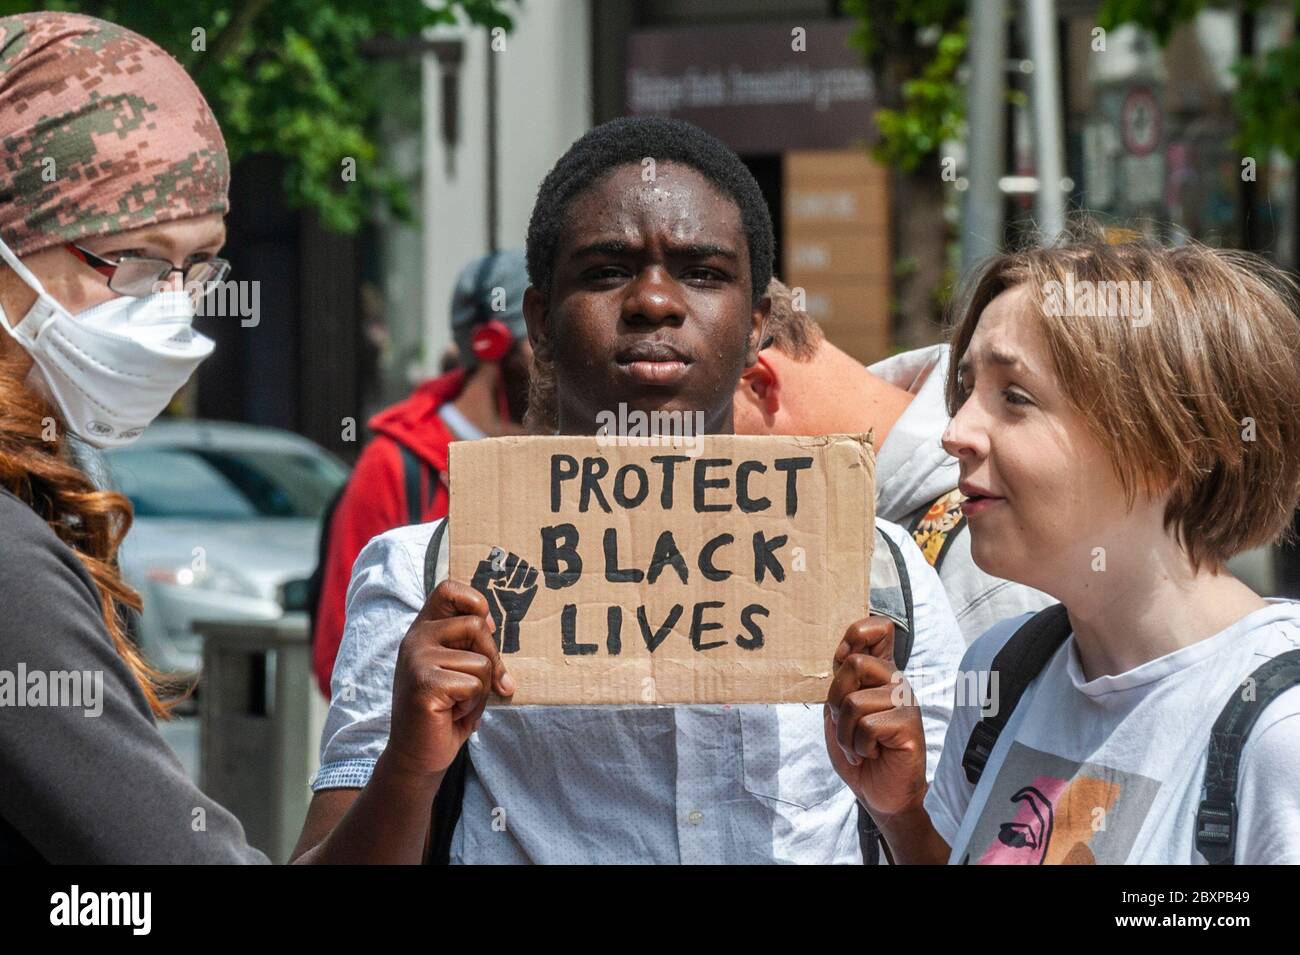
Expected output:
(227, 518)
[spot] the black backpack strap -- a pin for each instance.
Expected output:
(445, 813)
(432, 552)
(316, 582)
(891, 594)
(868, 837)
(446, 809)
(1020, 660)
(413, 469)
(1216, 818)
(903, 649)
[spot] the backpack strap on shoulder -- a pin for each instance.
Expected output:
(437, 558)
(1020, 660)
(447, 804)
(1216, 817)
(891, 594)
(445, 813)
(413, 469)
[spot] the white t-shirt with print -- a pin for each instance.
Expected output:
(1111, 770)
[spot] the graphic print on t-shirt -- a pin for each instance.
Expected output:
(1047, 810)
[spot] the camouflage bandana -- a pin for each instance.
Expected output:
(101, 131)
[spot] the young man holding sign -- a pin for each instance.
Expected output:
(648, 251)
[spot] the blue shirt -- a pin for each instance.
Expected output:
(735, 784)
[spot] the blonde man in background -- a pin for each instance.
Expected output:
(803, 384)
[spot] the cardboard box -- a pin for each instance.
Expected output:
(823, 254)
(836, 235)
(854, 316)
(853, 164)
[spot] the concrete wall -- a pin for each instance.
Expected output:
(543, 97)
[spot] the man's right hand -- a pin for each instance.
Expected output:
(447, 665)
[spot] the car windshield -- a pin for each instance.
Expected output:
(225, 483)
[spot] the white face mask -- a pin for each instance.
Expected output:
(112, 368)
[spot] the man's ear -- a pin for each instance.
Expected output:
(758, 329)
(760, 384)
(536, 306)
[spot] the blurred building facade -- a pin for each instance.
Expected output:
(1149, 130)
(350, 323)
(778, 83)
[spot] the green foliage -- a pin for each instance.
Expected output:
(933, 110)
(1158, 16)
(1162, 17)
(931, 105)
(290, 77)
(1267, 102)
(878, 24)
(914, 49)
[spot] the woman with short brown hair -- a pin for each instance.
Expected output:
(1127, 418)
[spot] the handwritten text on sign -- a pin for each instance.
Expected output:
(639, 575)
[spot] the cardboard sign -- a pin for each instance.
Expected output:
(646, 574)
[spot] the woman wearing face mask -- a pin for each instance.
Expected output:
(113, 189)
(1127, 418)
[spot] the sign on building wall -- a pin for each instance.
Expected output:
(761, 88)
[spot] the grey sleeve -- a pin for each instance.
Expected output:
(93, 782)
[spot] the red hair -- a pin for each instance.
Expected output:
(90, 521)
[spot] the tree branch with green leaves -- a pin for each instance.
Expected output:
(291, 78)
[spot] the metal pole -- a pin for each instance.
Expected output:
(1048, 116)
(492, 166)
(986, 121)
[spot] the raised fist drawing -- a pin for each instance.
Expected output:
(509, 583)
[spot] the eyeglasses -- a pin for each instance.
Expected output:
(139, 276)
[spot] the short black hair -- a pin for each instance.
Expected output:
(629, 140)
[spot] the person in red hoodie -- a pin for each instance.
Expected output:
(401, 476)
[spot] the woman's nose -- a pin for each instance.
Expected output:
(964, 436)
